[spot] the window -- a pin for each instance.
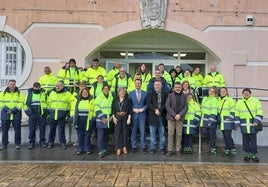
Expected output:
(12, 58)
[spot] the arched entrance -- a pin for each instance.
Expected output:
(153, 47)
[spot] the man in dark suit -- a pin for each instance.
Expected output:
(156, 116)
(139, 107)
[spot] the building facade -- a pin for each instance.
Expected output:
(230, 34)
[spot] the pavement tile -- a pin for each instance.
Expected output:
(195, 181)
(98, 178)
(28, 184)
(100, 184)
(174, 184)
(133, 183)
(159, 184)
(121, 183)
(82, 183)
(121, 174)
(146, 184)
(4, 184)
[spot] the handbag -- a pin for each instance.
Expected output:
(259, 127)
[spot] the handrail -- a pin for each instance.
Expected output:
(236, 88)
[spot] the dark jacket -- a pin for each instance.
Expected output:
(165, 87)
(171, 106)
(126, 106)
(152, 105)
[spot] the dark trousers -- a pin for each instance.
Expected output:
(84, 136)
(228, 140)
(5, 128)
(250, 143)
(188, 140)
(211, 134)
(34, 122)
(121, 132)
(61, 130)
(103, 138)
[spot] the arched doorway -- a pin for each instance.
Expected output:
(153, 47)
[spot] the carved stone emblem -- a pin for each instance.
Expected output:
(153, 13)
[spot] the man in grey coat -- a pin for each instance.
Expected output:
(176, 106)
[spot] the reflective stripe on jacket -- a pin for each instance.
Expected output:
(192, 118)
(243, 117)
(209, 110)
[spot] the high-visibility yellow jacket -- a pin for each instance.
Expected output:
(191, 81)
(91, 74)
(48, 81)
(125, 82)
(83, 108)
(209, 111)
(59, 103)
(103, 109)
(192, 117)
(69, 76)
(226, 113)
(12, 101)
(96, 88)
(243, 117)
(198, 79)
(145, 79)
(214, 79)
(111, 74)
(167, 77)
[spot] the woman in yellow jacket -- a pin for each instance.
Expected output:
(248, 115)
(208, 124)
(82, 111)
(190, 124)
(103, 110)
(226, 120)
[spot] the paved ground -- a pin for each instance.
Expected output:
(57, 167)
(131, 174)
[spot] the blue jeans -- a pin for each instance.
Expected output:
(161, 131)
(5, 128)
(34, 121)
(138, 123)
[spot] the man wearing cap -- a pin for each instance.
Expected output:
(71, 76)
(94, 71)
(248, 115)
(36, 109)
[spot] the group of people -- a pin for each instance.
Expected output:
(99, 101)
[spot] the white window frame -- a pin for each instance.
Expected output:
(20, 79)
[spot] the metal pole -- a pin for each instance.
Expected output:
(199, 141)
